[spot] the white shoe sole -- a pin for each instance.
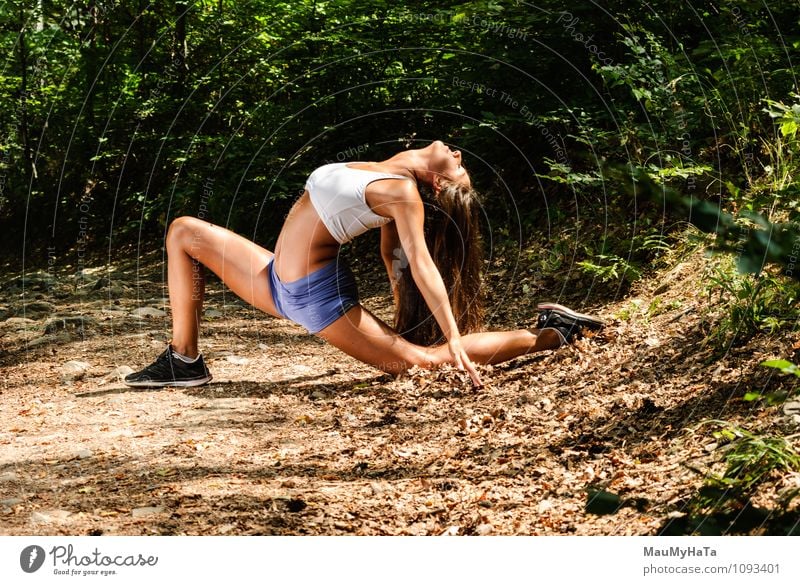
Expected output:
(175, 384)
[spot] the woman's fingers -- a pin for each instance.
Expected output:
(473, 373)
(462, 362)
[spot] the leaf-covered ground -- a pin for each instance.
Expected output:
(293, 437)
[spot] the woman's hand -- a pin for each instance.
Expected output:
(462, 361)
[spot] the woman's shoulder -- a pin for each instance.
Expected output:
(395, 198)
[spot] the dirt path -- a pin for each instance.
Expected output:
(293, 437)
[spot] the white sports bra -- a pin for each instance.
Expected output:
(337, 193)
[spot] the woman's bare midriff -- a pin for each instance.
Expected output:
(304, 244)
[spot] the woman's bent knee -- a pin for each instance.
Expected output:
(184, 229)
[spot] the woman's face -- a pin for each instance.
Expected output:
(447, 165)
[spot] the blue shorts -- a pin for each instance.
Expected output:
(318, 299)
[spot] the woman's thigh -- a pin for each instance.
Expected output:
(360, 334)
(240, 263)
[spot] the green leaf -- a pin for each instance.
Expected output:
(780, 364)
(789, 128)
(784, 366)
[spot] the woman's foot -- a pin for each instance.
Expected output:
(569, 324)
(170, 369)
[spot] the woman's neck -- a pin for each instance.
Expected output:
(415, 162)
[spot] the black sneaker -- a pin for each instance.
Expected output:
(568, 323)
(168, 370)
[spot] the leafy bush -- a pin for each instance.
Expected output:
(742, 305)
(750, 459)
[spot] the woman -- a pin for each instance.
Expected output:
(304, 281)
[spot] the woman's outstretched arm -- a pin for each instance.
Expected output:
(409, 217)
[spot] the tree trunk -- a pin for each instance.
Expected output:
(180, 41)
(40, 16)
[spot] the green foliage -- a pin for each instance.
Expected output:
(782, 149)
(626, 261)
(787, 117)
(745, 462)
(780, 395)
(754, 239)
(750, 459)
(609, 267)
(743, 305)
(784, 366)
(154, 101)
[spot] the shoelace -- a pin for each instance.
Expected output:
(164, 362)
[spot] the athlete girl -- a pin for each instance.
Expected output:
(438, 320)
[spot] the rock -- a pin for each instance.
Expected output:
(484, 529)
(51, 516)
(68, 322)
(73, 371)
(39, 280)
(146, 511)
(10, 502)
(8, 476)
(792, 410)
(36, 309)
(19, 322)
(84, 453)
(237, 359)
(117, 292)
(112, 291)
(143, 312)
(114, 313)
(213, 314)
(118, 374)
(544, 506)
(299, 370)
(49, 339)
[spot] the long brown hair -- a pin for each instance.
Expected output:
(452, 233)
